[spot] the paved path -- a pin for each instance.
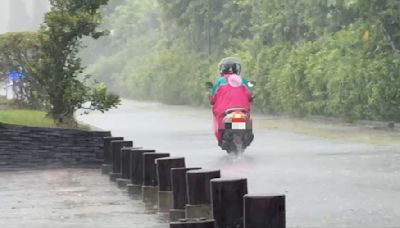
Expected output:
(328, 182)
(68, 198)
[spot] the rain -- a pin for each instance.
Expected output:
(322, 76)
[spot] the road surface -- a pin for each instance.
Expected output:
(328, 182)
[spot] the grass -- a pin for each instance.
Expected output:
(31, 118)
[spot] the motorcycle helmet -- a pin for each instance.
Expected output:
(230, 65)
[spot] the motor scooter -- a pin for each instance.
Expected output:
(237, 128)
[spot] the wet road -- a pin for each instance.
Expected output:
(68, 198)
(327, 182)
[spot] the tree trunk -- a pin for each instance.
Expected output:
(61, 115)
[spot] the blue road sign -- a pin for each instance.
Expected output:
(15, 75)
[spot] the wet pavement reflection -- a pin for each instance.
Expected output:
(329, 182)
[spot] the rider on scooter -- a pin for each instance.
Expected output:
(230, 91)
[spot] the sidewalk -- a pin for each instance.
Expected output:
(68, 198)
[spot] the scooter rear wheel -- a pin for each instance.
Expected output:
(235, 145)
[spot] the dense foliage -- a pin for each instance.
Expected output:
(59, 71)
(19, 53)
(309, 57)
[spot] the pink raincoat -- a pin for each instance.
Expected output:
(229, 92)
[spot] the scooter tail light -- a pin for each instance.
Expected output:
(238, 117)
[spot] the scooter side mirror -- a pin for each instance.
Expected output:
(209, 85)
(251, 84)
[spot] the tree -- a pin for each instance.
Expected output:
(19, 52)
(210, 24)
(60, 71)
(320, 57)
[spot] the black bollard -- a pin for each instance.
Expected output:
(116, 147)
(198, 189)
(164, 166)
(149, 168)
(227, 201)
(106, 168)
(125, 167)
(150, 184)
(178, 183)
(107, 148)
(126, 156)
(200, 223)
(136, 169)
(263, 211)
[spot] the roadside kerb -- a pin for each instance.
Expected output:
(195, 197)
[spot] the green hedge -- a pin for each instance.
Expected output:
(340, 75)
(331, 58)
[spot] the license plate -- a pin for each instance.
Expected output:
(239, 126)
